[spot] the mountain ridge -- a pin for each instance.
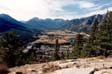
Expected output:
(8, 23)
(78, 25)
(61, 24)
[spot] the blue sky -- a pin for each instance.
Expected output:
(66, 9)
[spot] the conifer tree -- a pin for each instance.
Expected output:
(10, 46)
(105, 35)
(56, 52)
(78, 45)
(94, 30)
(91, 47)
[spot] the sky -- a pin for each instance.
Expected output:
(66, 9)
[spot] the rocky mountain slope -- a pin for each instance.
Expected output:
(82, 24)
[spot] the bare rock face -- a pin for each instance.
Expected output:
(104, 71)
(50, 67)
(73, 66)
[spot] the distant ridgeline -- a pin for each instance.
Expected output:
(78, 25)
(38, 25)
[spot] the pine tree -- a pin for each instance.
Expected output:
(94, 30)
(105, 35)
(56, 52)
(10, 46)
(78, 46)
(91, 47)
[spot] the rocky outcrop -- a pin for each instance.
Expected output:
(74, 66)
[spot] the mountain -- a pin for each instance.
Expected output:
(82, 24)
(7, 23)
(46, 24)
(39, 25)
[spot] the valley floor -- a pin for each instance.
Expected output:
(73, 66)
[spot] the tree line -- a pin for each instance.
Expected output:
(99, 42)
(11, 50)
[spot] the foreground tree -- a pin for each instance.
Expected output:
(100, 40)
(105, 35)
(78, 46)
(91, 47)
(11, 49)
